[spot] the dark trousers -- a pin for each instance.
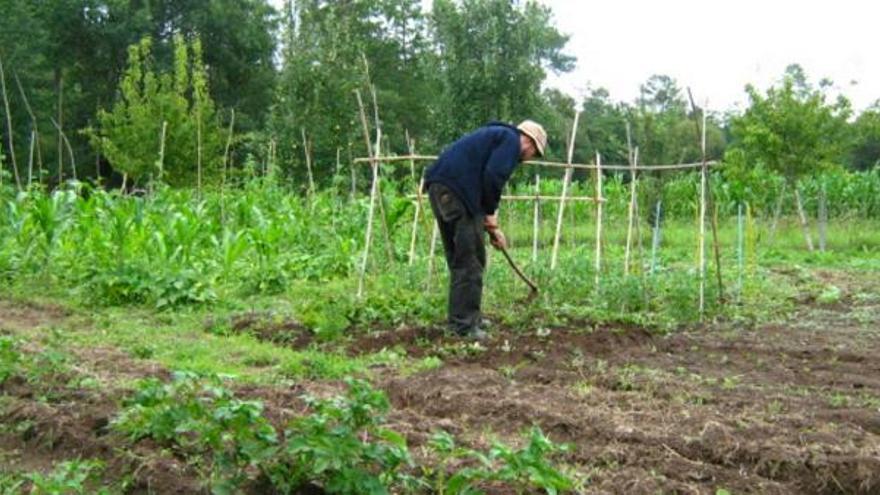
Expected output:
(462, 235)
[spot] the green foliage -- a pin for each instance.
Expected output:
(199, 415)
(343, 447)
(792, 129)
(492, 60)
(865, 153)
(523, 469)
(10, 358)
(130, 135)
(68, 478)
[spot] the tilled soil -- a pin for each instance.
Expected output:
(790, 407)
(785, 408)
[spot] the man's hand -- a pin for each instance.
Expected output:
(496, 237)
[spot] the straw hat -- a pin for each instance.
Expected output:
(535, 131)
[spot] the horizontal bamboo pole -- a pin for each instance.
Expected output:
(648, 168)
(534, 198)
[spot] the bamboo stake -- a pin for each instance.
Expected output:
(225, 168)
(777, 211)
(199, 151)
(638, 232)
(228, 144)
(307, 149)
(415, 225)
(410, 144)
(702, 241)
(433, 250)
(31, 158)
(803, 218)
(60, 87)
(9, 128)
(739, 251)
(536, 222)
(823, 217)
(69, 148)
(35, 132)
(336, 179)
(369, 232)
(598, 217)
(576, 166)
(389, 246)
(565, 184)
(353, 174)
(162, 149)
(631, 213)
(701, 264)
(655, 241)
(711, 201)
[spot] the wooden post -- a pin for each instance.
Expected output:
(35, 134)
(31, 157)
(536, 223)
(415, 225)
(739, 251)
(631, 213)
(777, 211)
(389, 247)
(307, 149)
(803, 218)
(9, 129)
(599, 201)
(701, 268)
(336, 179)
(353, 168)
(823, 216)
(162, 149)
(701, 131)
(410, 144)
(368, 236)
(559, 215)
(565, 183)
(655, 240)
(434, 234)
(69, 148)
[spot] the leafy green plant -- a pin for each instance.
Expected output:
(523, 469)
(200, 416)
(10, 358)
(342, 446)
(68, 478)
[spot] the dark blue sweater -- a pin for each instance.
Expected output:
(477, 166)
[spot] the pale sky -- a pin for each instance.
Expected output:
(717, 47)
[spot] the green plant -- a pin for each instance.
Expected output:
(10, 358)
(523, 469)
(343, 447)
(200, 416)
(68, 478)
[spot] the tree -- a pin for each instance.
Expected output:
(493, 56)
(332, 49)
(130, 135)
(792, 129)
(865, 152)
